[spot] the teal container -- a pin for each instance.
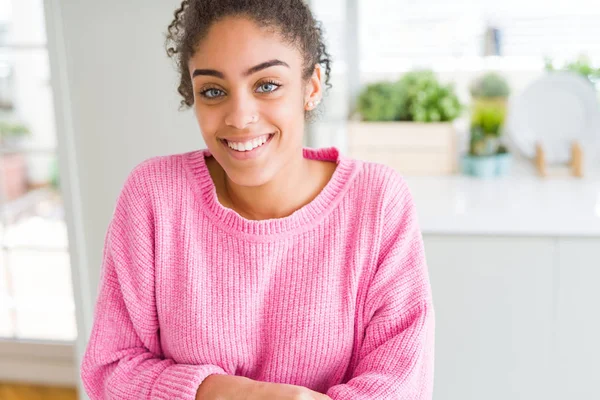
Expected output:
(483, 167)
(503, 164)
(465, 165)
(486, 166)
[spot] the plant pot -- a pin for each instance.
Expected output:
(412, 148)
(483, 167)
(13, 175)
(503, 164)
(487, 166)
(466, 165)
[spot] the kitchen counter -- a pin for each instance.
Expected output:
(521, 204)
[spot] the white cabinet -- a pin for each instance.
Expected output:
(577, 352)
(517, 317)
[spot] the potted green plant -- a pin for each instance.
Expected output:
(380, 101)
(581, 65)
(490, 85)
(13, 164)
(490, 88)
(407, 124)
(487, 156)
(13, 134)
(486, 123)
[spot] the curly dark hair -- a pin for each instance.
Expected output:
(292, 19)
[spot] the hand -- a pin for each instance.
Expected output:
(279, 391)
(230, 387)
(224, 387)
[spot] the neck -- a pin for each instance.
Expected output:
(288, 191)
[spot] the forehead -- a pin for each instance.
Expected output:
(234, 44)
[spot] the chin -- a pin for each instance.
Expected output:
(250, 177)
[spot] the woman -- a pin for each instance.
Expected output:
(259, 269)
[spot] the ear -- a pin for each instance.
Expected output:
(314, 89)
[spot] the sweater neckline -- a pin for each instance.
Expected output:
(302, 219)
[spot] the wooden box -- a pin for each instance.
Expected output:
(412, 148)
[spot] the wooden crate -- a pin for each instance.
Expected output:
(411, 148)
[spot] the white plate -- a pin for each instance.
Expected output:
(555, 110)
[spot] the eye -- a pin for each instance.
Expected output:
(268, 87)
(211, 93)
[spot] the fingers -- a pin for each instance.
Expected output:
(320, 396)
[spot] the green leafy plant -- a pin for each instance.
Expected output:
(582, 66)
(11, 129)
(490, 85)
(416, 96)
(486, 128)
(380, 101)
(428, 100)
(477, 141)
(489, 118)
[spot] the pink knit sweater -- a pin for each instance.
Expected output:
(335, 297)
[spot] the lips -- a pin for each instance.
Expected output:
(247, 144)
(248, 149)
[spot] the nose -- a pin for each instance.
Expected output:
(242, 112)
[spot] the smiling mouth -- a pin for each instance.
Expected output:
(248, 145)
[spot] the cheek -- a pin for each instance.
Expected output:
(208, 122)
(285, 111)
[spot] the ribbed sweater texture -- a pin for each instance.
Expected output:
(334, 297)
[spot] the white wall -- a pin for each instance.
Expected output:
(116, 104)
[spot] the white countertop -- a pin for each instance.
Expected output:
(521, 204)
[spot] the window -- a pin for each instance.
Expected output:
(402, 34)
(455, 39)
(36, 300)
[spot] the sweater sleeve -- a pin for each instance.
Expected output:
(396, 357)
(123, 358)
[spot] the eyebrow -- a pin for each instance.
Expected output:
(250, 71)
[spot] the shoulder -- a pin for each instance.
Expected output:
(383, 184)
(147, 180)
(150, 174)
(146, 197)
(155, 167)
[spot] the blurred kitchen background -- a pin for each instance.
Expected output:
(489, 109)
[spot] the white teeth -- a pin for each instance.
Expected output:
(249, 145)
